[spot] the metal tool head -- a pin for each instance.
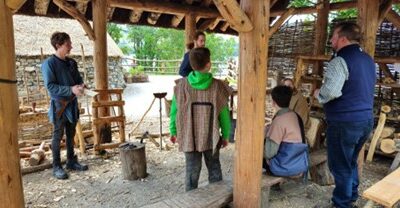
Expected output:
(159, 94)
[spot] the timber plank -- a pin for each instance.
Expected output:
(213, 195)
(390, 186)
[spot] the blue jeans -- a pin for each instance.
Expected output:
(59, 126)
(344, 141)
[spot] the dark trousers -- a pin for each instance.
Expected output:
(59, 126)
(344, 141)
(193, 168)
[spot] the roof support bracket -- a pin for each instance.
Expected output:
(234, 15)
(14, 5)
(68, 8)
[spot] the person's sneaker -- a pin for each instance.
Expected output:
(74, 165)
(59, 173)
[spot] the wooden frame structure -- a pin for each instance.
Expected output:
(252, 26)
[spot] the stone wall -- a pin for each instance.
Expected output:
(32, 64)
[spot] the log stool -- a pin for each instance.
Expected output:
(133, 160)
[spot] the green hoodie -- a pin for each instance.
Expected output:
(202, 81)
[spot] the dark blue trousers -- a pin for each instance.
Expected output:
(344, 141)
(59, 126)
(193, 168)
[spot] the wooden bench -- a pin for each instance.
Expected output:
(267, 181)
(385, 192)
(213, 195)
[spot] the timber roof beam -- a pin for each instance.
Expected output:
(165, 7)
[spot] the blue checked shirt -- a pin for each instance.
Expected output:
(335, 74)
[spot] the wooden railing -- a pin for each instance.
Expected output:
(219, 68)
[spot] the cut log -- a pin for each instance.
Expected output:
(387, 132)
(386, 109)
(24, 154)
(377, 134)
(30, 149)
(38, 168)
(133, 161)
(388, 146)
(37, 155)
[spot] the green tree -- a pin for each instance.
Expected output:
(115, 32)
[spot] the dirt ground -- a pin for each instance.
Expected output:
(102, 185)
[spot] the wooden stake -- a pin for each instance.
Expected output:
(11, 192)
(377, 134)
(251, 103)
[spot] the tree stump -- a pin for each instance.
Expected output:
(133, 160)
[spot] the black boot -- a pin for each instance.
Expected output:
(73, 164)
(59, 172)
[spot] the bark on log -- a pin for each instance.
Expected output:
(133, 161)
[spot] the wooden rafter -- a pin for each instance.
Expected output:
(176, 20)
(110, 12)
(206, 24)
(394, 18)
(82, 6)
(153, 18)
(135, 15)
(383, 10)
(232, 13)
(280, 21)
(41, 6)
(68, 8)
(224, 26)
(272, 3)
(215, 23)
(312, 10)
(14, 5)
(205, 3)
(165, 7)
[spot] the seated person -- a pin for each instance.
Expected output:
(285, 152)
(298, 103)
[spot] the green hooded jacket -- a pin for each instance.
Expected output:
(202, 81)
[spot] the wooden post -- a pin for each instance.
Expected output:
(100, 60)
(251, 106)
(190, 28)
(368, 14)
(11, 192)
(320, 34)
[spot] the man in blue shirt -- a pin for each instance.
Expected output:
(198, 42)
(347, 94)
(64, 83)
